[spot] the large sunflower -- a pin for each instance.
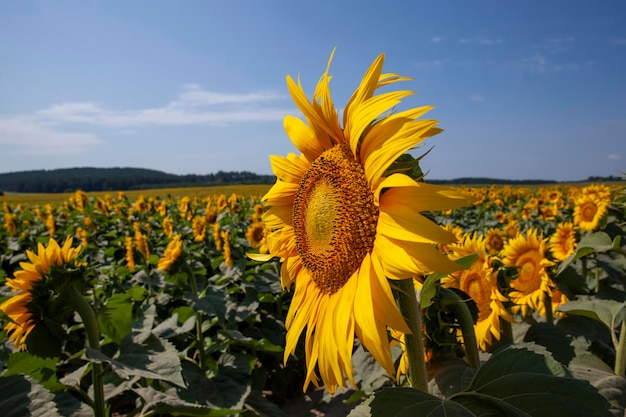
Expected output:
(17, 307)
(341, 226)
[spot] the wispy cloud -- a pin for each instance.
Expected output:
(26, 137)
(614, 157)
(540, 64)
(480, 40)
(56, 129)
(436, 39)
(556, 45)
(477, 98)
(619, 41)
(448, 62)
(193, 106)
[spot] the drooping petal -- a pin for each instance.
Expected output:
(403, 223)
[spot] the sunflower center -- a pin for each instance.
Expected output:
(588, 211)
(529, 278)
(334, 218)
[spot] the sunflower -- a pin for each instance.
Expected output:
(173, 252)
(130, 253)
(480, 282)
(341, 226)
(17, 308)
(494, 240)
(256, 235)
(588, 211)
(563, 242)
(527, 252)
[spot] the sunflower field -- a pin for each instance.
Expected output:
(184, 321)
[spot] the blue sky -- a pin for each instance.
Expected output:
(523, 90)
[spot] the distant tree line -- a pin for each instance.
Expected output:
(112, 179)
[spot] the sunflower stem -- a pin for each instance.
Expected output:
(620, 354)
(547, 302)
(412, 312)
(464, 315)
(88, 315)
(199, 335)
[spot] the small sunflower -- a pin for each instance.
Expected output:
(256, 235)
(341, 226)
(480, 282)
(173, 252)
(494, 240)
(563, 242)
(528, 253)
(19, 308)
(588, 212)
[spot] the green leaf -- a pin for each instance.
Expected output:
(429, 288)
(526, 380)
(408, 402)
(22, 396)
(553, 338)
(170, 327)
(42, 370)
(228, 389)
(611, 313)
(598, 242)
(144, 355)
(601, 376)
(158, 403)
(115, 317)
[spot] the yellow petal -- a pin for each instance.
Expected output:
(304, 138)
(287, 169)
(404, 223)
(377, 162)
(421, 196)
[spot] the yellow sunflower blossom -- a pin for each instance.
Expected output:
(480, 282)
(528, 253)
(228, 256)
(16, 307)
(588, 211)
(173, 252)
(130, 253)
(563, 242)
(257, 236)
(494, 240)
(338, 235)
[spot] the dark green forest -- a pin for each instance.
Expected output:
(118, 179)
(122, 179)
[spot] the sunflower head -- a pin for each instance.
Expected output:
(172, 255)
(39, 288)
(341, 223)
(589, 211)
(563, 242)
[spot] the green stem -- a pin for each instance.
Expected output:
(411, 310)
(620, 354)
(88, 315)
(466, 321)
(199, 335)
(547, 302)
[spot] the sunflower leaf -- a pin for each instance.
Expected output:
(609, 312)
(429, 288)
(401, 402)
(21, 396)
(598, 242)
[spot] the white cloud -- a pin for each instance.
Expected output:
(55, 129)
(27, 137)
(193, 106)
(614, 157)
(619, 41)
(477, 97)
(436, 39)
(556, 45)
(540, 64)
(481, 41)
